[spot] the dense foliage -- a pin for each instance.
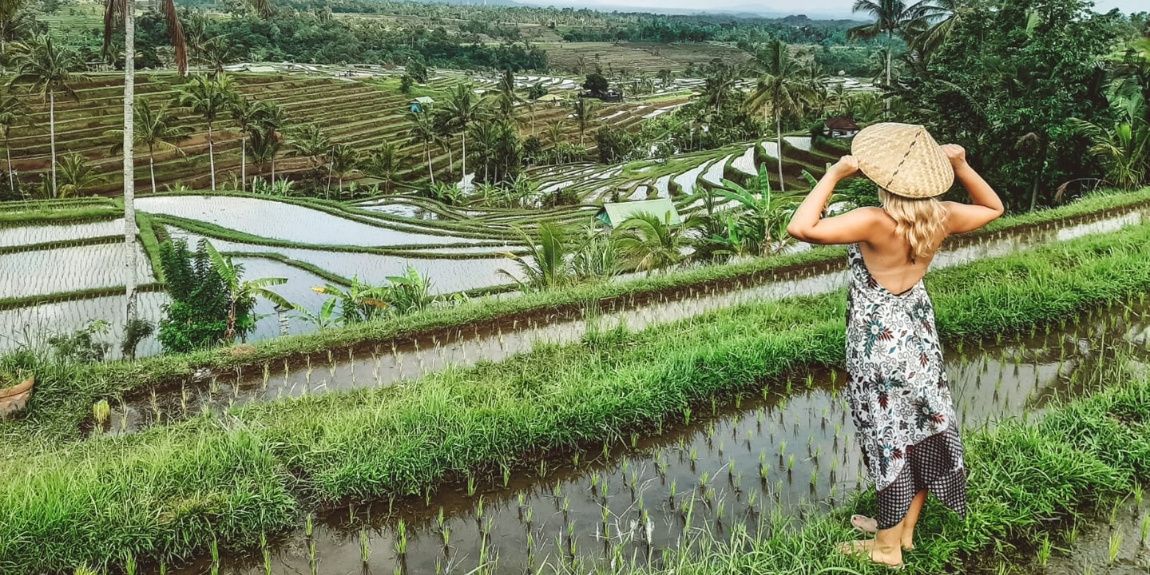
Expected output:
(319, 39)
(197, 316)
(1006, 84)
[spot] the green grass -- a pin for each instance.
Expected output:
(116, 378)
(1026, 480)
(409, 439)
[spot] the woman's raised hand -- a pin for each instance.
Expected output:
(845, 167)
(956, 153)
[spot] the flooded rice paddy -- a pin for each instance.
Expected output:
(757, 462)
(392, 362)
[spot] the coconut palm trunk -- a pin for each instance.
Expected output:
(211, 156)
(464, 156)
(889, 39)
(430, 172)
(130, 279)
(8, 153)
(152, 167)
(52, 136)
(779, 145)
(244, 162)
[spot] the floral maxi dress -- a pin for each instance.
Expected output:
(900, 401)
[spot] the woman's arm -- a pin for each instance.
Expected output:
(985, 205)
(807, 223)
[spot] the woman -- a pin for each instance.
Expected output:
(900, 402)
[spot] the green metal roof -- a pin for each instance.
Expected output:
(614, 213)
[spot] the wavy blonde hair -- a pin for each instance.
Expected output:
(919, 220)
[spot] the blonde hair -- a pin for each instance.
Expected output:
(919, 220)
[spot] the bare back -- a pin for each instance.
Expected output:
(885, 254)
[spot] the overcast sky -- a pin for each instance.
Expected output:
(839, 8)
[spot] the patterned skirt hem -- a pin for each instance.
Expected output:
(934, 465)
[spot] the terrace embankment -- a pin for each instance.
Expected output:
(415, 354)
(169, 491)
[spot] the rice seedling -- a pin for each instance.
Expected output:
(1114, 547)
(364, 546)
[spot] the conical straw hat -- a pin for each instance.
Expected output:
(903, 159)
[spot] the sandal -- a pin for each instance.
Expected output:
(860, 549)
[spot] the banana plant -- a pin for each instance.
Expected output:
(241, 290)
(358, 302)
(763, 215)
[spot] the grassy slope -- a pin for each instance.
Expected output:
(1025, 480)
(408, 439)
(59, 406)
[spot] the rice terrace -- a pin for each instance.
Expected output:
(522, 286)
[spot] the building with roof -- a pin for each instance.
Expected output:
(840, 127)
(420, 104)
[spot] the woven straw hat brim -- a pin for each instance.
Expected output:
(903, 159)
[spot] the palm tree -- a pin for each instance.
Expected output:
(507, 97)
(153, 129)
(217, 52)
(891, 17)
(358, 302)
(12, 111)
(937, 20)
(546, 264)
(462, 109)
(649, 242)
(1125, 149)
(246, 115)
(344, 160)
(780, 92)
(383, 163)
(270, 127)
(114, 13)
(241, 290)
(16, 23)
(423, 131)
(77, 175)
(717, 86)
(46, 69)
(310, 142)
(584, 115)
(210, 98)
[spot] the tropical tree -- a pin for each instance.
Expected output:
(16, 24)
(383, 163)
(217, 52)
(47, 69)
(241, 293)
(422, 130)
(153, 130)
(546, 264)
(935, 23)
(77, 175)
(12, 112)
(1124, 150)
(507, 97)
(780, 92)
(763, 215)
(210, 98)
(649, 242)
(269, 131)
(891, 17)
(584, 116)
(357, 303)
(247, 116)
(462, 109)
(344, 160)
(310, 142)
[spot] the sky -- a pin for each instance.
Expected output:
(832, 8)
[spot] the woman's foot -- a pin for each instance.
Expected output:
(866, 548)
(864, 524)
